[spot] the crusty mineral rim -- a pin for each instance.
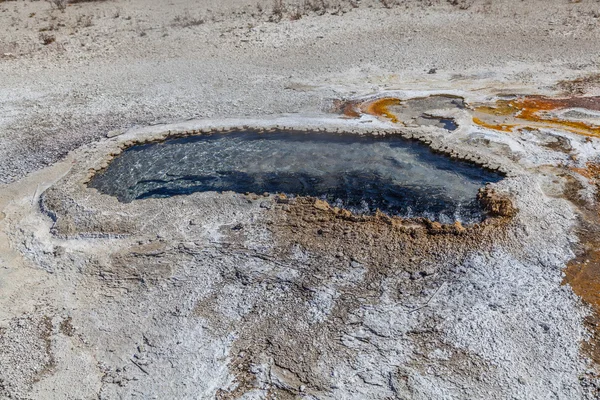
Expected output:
(499, 208)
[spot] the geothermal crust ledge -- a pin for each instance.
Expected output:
(263, 294)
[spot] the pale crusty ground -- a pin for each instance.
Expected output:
(181, 307)
(143, 67)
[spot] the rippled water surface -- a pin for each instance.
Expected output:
(361, 173)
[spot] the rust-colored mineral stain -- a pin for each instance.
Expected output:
(347, 108)
(583, 272)
(583, 275)
(591, 171)
(380, 108)
(534, 110)
(497, 127)
(580, 85)
(502, 108)
(350, 110)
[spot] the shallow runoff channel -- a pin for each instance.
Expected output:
(361, 173)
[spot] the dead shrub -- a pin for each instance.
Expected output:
(60, 4)
(278, 10)
(47, 38)
(187, 20)
(579, 86)
(84, 21)
(462, 4)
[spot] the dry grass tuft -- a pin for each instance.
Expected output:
(278, 10)
(579, 86)
(462, 4)
(187, 20)
(85, 21)
(60, 4)
(47, 38)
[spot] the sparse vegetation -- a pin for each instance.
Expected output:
(187, 20)
(278, 10)
(462, 4)
(296, 14)
(50, 27)
(296, 9)
(579, 86)
(85, 21)
(60, 4)
(47, 38)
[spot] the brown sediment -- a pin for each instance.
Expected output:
(350, 111)
(385, 246)
(379, 108)
(583, 275)
(534, 112)
(317, 219)
(583, 272)
(416, 254)
(591, 171)
(496, 205)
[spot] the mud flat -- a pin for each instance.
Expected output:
(224, 294)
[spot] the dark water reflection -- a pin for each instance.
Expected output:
(361, 173)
